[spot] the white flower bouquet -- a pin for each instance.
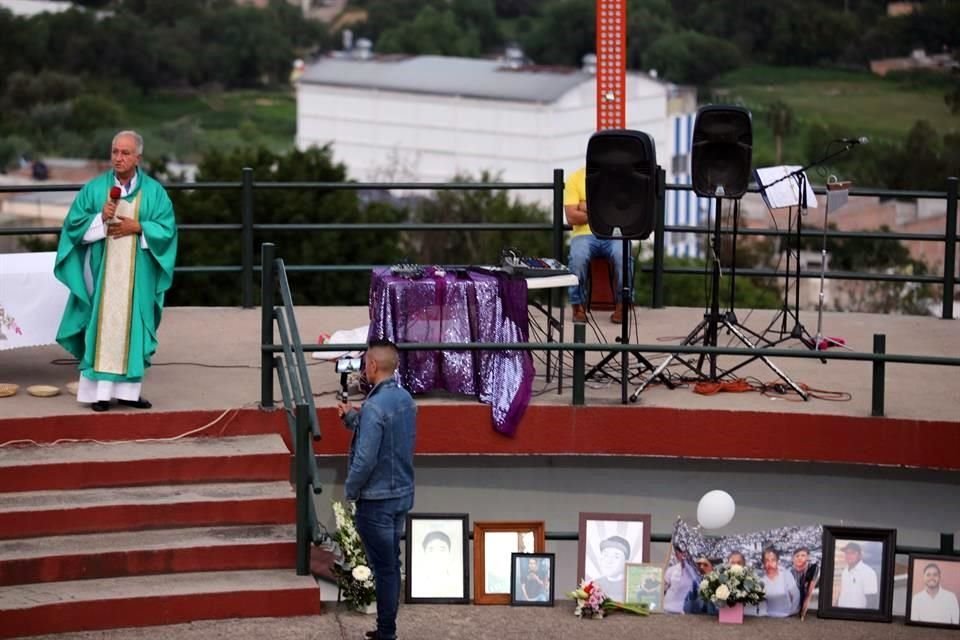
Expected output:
(728, 585)
(354, 577)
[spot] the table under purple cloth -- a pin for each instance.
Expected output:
(481, 307)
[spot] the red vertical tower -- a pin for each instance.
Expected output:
(611, 64)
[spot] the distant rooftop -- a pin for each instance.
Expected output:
(442, 75)
(33, 7)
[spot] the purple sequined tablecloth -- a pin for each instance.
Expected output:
(481, 307)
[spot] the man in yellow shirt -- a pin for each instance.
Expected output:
(584, 246)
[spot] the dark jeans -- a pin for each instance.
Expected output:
(380, 525)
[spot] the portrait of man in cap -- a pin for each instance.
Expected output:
(859, 586)
(607, 546)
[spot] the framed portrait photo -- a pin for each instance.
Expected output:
(531, 579)
(644, 584)
(436, 558)
(608, 541)
(857, 578)
(494, 544)
(933, 583)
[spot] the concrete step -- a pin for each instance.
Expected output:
(60, 607)
(119, 464)
(137, 424)
(109, 555)
(49, 513)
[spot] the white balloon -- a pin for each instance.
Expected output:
(716, 509)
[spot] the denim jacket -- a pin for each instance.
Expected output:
(380, 463)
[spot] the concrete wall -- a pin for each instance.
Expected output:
(920, 504)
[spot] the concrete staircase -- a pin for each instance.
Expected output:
(118, 533)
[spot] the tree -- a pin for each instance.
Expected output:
(691, 57)
(475, 247)
(563, 34)
(281, 206)
(433, 31)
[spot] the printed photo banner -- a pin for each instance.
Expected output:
(787, 560)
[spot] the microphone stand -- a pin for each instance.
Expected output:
(798, 332)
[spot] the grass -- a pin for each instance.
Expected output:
(858, 103)
(184, 126)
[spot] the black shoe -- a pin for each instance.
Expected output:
(100, 405)
(371, 635)
(136, 404)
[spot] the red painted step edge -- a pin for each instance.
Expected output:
(130, 473)
(115, 564)
(157, 610)
(127, 517)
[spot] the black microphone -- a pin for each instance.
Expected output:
(860, 140)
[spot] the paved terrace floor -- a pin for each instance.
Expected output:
(468, 622)
(208, 359)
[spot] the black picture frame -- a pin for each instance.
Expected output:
(437, 558)
(949, 570)
(544, 578)
(876, 549)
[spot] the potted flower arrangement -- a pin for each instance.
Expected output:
(354, 577)
(730, 587)
(592, 602)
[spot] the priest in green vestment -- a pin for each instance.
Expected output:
(116, 255)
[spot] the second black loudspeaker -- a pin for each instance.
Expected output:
(722, 151)
(621, 184)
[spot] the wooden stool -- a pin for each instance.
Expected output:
(601, 286)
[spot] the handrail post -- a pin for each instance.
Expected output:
(246, 238)
(558, 215)
(879, 369)
(579, 360)
(950, 250)
(267, 251)
(946, 544)
(658, 239)
(301, 460)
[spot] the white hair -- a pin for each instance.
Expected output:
(137, 138)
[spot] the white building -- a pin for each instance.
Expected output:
(29, 8)
(428, 118)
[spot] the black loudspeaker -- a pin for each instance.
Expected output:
(722, 151)
(621, 184)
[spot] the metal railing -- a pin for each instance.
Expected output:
(247, 226)
(288, 360)
(302, 421)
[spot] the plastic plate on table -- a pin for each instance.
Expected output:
(43, 391)
(7, 390)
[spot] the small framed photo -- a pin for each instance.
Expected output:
(436, 557)
(608, 541)
(933, 583)
(494, 544)
(531, 579)
(644, 584)
(857, 576)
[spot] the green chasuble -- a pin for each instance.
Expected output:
(149, 275)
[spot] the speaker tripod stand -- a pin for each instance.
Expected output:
(641, 361)
(707, 331)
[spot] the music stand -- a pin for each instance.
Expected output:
(777, 188)
(788, 187)
(708, 330)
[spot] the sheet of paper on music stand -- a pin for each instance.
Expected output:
(780, 191)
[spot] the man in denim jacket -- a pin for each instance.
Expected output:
(380, 475)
